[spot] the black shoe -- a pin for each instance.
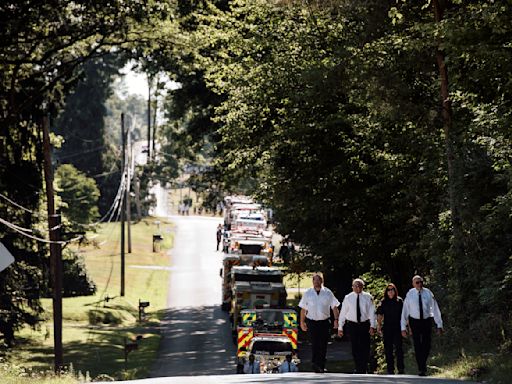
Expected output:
(422, 373)
(401, 372)
(317, 369)
(391, 372)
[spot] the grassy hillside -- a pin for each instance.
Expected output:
(96, 327)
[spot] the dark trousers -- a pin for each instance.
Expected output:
(422, 337)
(319, 336)
(393, 344)
(359, 334)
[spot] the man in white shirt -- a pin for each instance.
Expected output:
(420, 308)
(315, 314)
(252, 366)
(288, 365)
(358, 314)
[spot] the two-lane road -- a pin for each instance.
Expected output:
(196, 335)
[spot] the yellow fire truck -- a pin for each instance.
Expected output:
(271, 334)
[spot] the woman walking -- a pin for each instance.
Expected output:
(390, 311)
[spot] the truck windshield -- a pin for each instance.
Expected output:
(250, 249)
(261, 278)
(268, 347)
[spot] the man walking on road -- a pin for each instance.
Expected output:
(420, 308)
(315, 317)
(358, 313)
(219, 235)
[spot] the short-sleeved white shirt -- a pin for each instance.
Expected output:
(317, 305)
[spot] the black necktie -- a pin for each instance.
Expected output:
(358, 310)
(289, 368)
(252, 368)
(420, 303)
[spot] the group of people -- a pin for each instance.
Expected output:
(252, 366)
(394, 319)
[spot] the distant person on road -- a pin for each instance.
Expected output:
(252, 366)
(288, 365)
(284, 252)
(358, 314)
(219, 235)
(420, 310)
(390, 310)
(315, 318)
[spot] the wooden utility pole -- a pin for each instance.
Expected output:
(55, 249)
(155, 109)
(123, 200)
(128, 199)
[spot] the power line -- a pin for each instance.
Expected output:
(23, 231)
(16, 204)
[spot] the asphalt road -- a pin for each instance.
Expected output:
(196, 336)
(301, 377)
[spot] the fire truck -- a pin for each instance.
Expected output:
(269, 334)
(228, 263)
(255, 295)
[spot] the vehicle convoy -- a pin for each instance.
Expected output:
(269, 334)
(253, 290)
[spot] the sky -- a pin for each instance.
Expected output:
(137, 83)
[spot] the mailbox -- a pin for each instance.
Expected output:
(142, 305)
(157, 239)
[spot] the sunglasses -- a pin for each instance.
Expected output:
(418, 282)
(390, 289)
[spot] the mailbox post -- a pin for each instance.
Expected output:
(142, 306)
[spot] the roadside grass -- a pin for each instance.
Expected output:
(304, 280)
(470, 361)
(94, 329)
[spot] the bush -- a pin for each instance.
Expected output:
(104, 316)
(75, 281)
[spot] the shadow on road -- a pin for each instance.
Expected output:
(195, 341)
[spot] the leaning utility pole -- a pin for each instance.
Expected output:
(55, 249)
(123, 199)
(149, 118)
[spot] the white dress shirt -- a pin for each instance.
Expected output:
(317, 305)
(288, 367)
(252, 368)
(349, 309)
(412, 308)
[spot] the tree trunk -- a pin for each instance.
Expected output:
(453, 163)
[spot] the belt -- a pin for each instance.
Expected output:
(307, 318)
(360, 323)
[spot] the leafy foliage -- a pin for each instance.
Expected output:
(332, 110)
(44, 48)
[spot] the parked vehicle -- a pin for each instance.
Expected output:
(253, 295)
(228, 263)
